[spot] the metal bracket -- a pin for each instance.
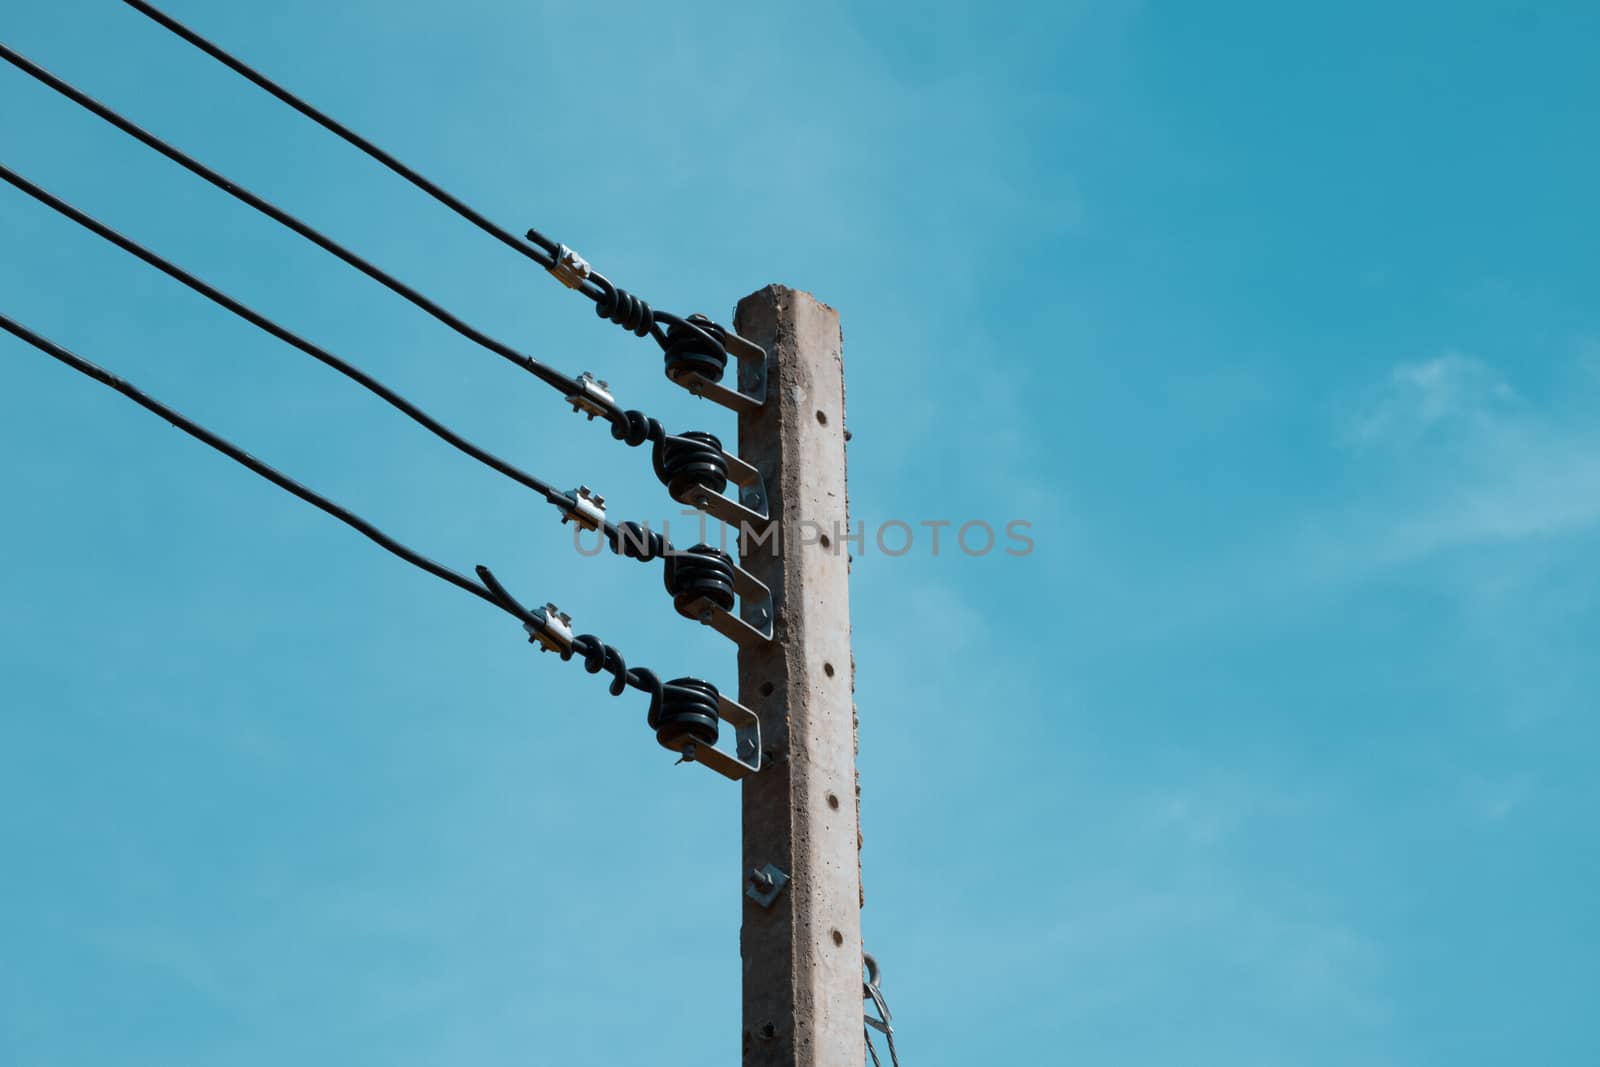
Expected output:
(765, 883)
(752, 392)
(585, 507)
(570, 269)
(746, 740)
(555, 632)
(593, 397)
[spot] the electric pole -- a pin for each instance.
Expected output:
(801, 936)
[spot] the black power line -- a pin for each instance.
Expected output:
(255, 318)
(611, 302)
(686, 344)
(545, 252)
(566, 385)
(239, 455)
(675, 705)
(687, 575)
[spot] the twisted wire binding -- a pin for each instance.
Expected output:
(682, 709)
(635, 540)
(623, 308)
(635, 428)
(596, 655)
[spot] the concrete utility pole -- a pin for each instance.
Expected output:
(801, 938)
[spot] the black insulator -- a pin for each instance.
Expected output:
(625, 309)
(695, 346)
(635, 540)
(688, 712)
(699, 572)
(691, 461)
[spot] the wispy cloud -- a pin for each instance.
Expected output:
(1439, 458)
(1418, 396)
(1460, 458)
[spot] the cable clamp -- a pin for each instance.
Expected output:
(554, 632)
(570, 269)
(593, 397)
(585, 507)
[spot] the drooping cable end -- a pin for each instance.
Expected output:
(569, 268)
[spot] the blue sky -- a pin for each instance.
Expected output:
(1277, 322)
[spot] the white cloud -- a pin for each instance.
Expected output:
(1420, 395)
(1445, 456)
(1460, 458)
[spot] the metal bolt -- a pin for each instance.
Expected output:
(761, 880)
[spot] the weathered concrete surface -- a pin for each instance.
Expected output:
(802, 957)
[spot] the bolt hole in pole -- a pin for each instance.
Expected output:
(833, 801)
(827, 668)
(766, 689)
(822, 418)
(826, 544)
(838, 938)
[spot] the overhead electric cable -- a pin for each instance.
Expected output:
(547, 628)
(239, 455)
(255, 318)
(566, 385)
(684, 457)
(611, 302)
(545, 252)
